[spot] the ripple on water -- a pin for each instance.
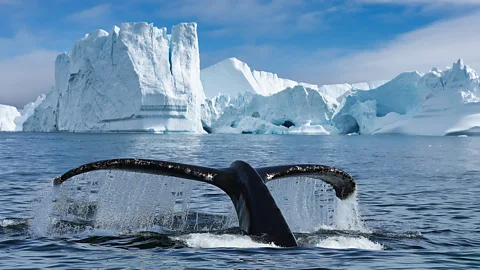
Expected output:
(419, 203)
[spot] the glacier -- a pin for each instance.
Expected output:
(7, 117)
(134, 78)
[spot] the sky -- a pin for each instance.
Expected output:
(314, 41)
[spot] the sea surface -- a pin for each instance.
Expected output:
(417, 204)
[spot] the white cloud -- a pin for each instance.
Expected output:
(23, 78)
(436, 45)
(23, 40)
(246, 17)
(89, 15)
(434, 7)
(422, 2)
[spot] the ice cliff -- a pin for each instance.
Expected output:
(7, 117)
(134, 78)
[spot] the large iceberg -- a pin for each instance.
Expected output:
(135, 78)
(232, 76)
(235, 92)
(7, 117)
(293, 110)
(139, 78)
(437, 103)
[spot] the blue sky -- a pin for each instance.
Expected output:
(316, 41)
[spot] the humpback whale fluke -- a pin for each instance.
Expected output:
(257, 211)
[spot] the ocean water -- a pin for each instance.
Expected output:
(417, 204)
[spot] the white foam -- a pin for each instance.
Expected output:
(7, 222)
(342, 242)
(208, 240)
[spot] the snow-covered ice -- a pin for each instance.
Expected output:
(26, 112)
(293, 110)
(232, 76)
(438, 103)
(139, 78)
(7, 117)
(135, 78)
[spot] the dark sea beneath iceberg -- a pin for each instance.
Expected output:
(417, 205)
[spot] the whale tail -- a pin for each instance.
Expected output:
(257, 211)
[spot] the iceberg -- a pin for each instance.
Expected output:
(231, 85)
(27, 112)
(297, 110)
(134, 78)
(340, 91)
(232, 76)
(437, 103)
(7, 117)
(138, 77)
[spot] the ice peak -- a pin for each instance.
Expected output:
(460, 71)
(115, 30)
(96, 34)
(232, 76)
(459, 64)
(234, 62)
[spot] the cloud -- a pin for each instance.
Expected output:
(23, 78)
(422, 2)
(246, 17)
(22, 41)
(449, 7)
(436, 45)
(89, 15)
(309, 20)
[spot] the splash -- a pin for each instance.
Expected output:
(347, 215)
(126, 202)
(310, 204)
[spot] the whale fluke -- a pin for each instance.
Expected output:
(342, 182)
(257, 211)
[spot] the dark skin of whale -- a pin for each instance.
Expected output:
(257, 211)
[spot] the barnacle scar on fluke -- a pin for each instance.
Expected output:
(257, 211)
